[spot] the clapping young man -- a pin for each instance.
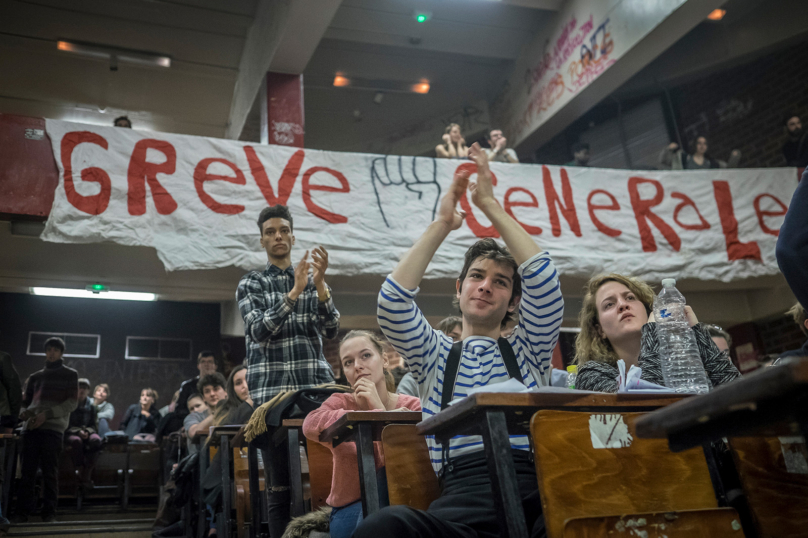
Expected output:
(495, 284)
(286, 313)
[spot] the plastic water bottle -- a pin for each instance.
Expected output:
(572, 375)
(682, 368)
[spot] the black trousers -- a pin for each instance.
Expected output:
(40, 449)
(276, 472)
(465, 508)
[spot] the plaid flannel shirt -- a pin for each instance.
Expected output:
(284, 337)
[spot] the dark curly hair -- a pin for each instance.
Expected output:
(275, 212)
(488, 249)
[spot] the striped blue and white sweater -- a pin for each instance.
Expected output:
(426, 349)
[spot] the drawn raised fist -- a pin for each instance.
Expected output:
(407, 190)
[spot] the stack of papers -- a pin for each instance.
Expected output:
(630, 383)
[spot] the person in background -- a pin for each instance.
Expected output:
(197, 412)
(104, 410)
(82, 437)
(235, 408)
(140, 420)
(286, 315)
(365, 364)
(454, 145)
(795, 149)
(580, 155)
(51, 394)
(722, 339)
(451, 327)
(615, 325)
(212, 389)
(792, 243)
(122, 121)
(797, 312)
(10, 394)
(206, 364)
(499, 152)
(10, 402)
(672, 158)
(166, 409)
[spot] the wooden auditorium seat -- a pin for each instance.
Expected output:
(143, 472)
(774, 476)
(241, 490)
(321, 467)
(682, 524)
(410, 478)
(108, 473)
(625, 477)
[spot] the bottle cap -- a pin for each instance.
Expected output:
(668, 282)
(573, 369)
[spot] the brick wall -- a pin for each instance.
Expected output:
(780, 335)
(743, 107)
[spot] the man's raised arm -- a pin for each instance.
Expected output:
(410, 270)
(519, 242)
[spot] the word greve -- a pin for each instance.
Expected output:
(138, 188)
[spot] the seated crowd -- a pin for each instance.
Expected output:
(511, 310)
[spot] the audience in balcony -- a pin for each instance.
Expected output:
(795, 149)
(454, 145)
(673, 158)
(82, 435)
(580, 155)
(499, 151)
(104, 410)
(140, 421)
(122, 121)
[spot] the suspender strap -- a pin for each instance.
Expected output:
(453, 364)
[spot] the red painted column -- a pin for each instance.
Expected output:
(282, 120)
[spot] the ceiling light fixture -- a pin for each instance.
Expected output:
(88, 294)
(382, 86)
(114, 54)
(340, 81)
(717, 14)
(421, 87)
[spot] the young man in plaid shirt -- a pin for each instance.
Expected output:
(286, 313)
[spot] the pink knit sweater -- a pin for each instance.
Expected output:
(345, 476)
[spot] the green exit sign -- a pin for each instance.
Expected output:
(97, 288)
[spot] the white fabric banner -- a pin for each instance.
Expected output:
(196, 200)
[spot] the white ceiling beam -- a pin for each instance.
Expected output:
(546, 5)
(307, 23)
(263, 40)
(282, 38)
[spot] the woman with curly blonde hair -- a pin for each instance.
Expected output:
(617, 323)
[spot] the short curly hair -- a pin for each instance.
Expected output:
(589, 344)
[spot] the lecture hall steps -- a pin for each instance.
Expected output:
(92, 522)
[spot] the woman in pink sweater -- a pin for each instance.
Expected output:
(365, 365)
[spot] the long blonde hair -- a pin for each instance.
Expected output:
(590, 345)
(378, 343)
